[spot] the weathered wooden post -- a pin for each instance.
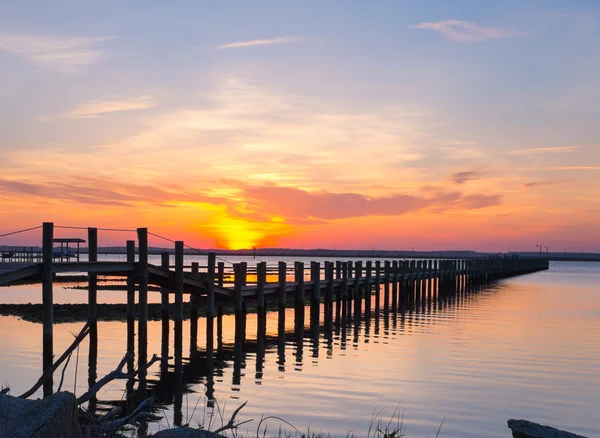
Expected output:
(210, 286)
(315, 297)
(377, 285)
(47, 301)
(368, 271)
(330, 285)
(130, 282)
(357, 290)
(220, 275)
(195, 299)
(92, 315)
(299, 297)
(164, 291)
(395, 286)
(143, 307)
(386, 285)
(178, 282)
(92, 277)
(350, 287)
(282, 275)
(194, 305)
(261, 278)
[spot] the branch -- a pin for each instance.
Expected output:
(62, 376)
(116, 374)
(230, 424)
(112, 426)
(50, 371)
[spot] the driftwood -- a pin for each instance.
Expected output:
(141, 411)
(117, 373)
(47, 375)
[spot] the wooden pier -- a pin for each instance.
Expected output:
(346, 286)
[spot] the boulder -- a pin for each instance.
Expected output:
(186, 432)
(51, 417)
(527, 429)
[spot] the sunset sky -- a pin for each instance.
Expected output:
(313, 124)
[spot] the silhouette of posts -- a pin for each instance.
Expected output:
(47, 301)
(143, 307)
(92, 315)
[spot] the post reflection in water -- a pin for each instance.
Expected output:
(329, 329)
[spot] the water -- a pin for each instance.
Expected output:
(526, 347)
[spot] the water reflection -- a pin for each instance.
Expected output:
(415, 305)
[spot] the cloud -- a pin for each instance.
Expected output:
(466, 32)
(575, 168)
(264, 42)
(542, 150)
(296, 203)
(542, 184)
(95, 108)
(97, 191)
(463, 177)
(63, 54)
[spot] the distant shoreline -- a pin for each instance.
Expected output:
(353, 253)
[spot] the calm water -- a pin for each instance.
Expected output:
(527, 347)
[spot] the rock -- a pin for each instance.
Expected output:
(527, 429)
(186, 432)
(52, 417)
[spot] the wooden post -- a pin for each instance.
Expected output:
(330, 284)
(261, 279)
(92, 278)
(164, 291)
(368, 272)
(92, 315)
(237, 289)
(210, 285)
(299, 296)
(143, 306)
(350, 287)
(130, 282)
(386, 285)
(377, 285)
(315, 298)
(394, 286)
(282, 274)
(178, 281)
(220, 275)
(47, 300)
(195, 299)
(357, 290)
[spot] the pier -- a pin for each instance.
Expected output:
(333, 291)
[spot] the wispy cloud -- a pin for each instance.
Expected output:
(542, 150)
(542, 184)
(263, 42)
(575, 168)
(463, 177)
(63, 54)
(467, 32)
(96, 108)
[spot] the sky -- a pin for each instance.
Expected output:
(339, 124)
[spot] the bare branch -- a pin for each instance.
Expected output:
(62, 376)
(115, 425)
(231, 423)
(115, 374)
(50, 371)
